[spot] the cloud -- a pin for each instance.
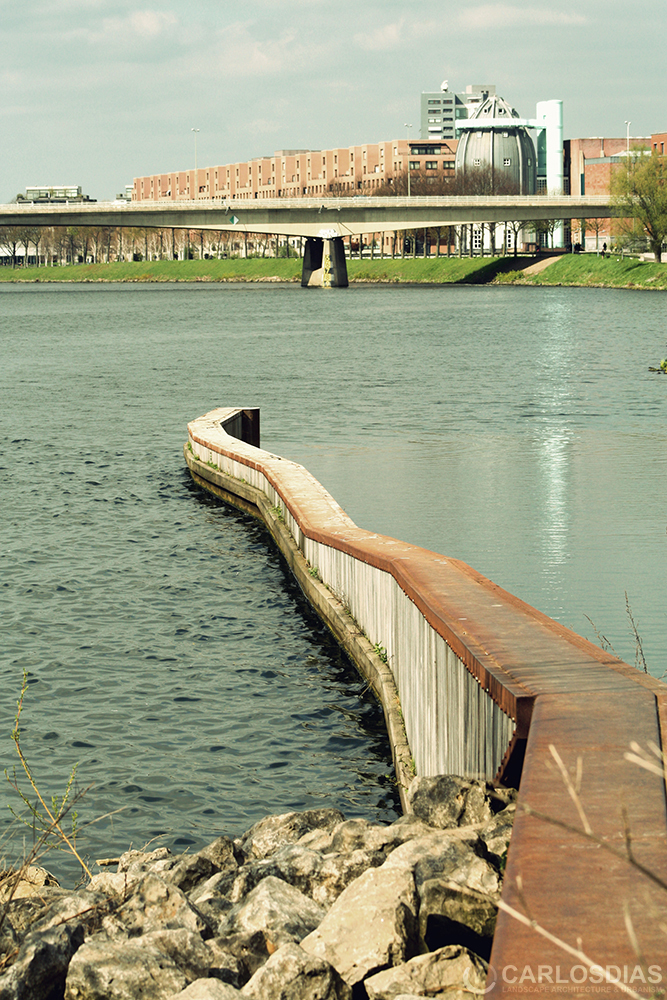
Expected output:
(382, 39)
(151, 22)
(140, 24)
(389, 37)
(502, 15)
(239, 52)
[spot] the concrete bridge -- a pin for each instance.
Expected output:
(324, 222)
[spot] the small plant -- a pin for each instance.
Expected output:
(278, 512)
(380, 651)
(213, 465)
(314, 572)
(45, 821)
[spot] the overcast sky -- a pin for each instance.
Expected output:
(96, 92)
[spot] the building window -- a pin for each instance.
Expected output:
(415, 164)
(431, 164)
(448, 164)
(507, 162)
(477, 239)
(434, 102)
(476, 163)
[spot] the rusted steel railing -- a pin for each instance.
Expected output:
(488, 687)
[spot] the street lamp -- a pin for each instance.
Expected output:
(627, 137)
(408, 127)
(195, 130)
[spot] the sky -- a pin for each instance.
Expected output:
(97, 92)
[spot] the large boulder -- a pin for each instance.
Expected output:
(122, 970)
(277, 910)
(30, 880)
(40, 968)
(446, 800)
(207, 989)
(274, 832)
(152, 905)
(450, 972)
(292, 974)
(372, 925)
(451, 913)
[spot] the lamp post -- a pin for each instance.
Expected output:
(195, 130)
(627, 137)
(408, 127)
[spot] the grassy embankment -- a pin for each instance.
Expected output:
(580, 270)
(593, 272)
(429, 270)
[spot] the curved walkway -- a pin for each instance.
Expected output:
(487, 684)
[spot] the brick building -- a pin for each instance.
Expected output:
(303, 173)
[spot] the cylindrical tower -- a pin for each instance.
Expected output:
(493, 138)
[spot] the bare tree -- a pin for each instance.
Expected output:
(10, 241)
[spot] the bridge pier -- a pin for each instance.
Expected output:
(324, 264)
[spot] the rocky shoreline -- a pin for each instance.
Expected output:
(302, 906)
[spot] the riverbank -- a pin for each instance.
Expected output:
(303, 904)
(585, 270)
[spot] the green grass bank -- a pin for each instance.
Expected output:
(590, 271)
(429, 270)
(580, 270)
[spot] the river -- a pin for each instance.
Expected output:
(169, 653)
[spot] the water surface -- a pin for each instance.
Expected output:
(169, 651)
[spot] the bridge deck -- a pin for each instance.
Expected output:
(311, 216)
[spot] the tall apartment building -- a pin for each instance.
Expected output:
(440, 110)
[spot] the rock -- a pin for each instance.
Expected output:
(189, 871)
(273, 832)
(450, 855)
(113, 883)
(277, 910)
(28, 881)
(19, 916)
(497, 834)
(458, 890)
(40, 968)
(322, 877)
(292, 974)
(122, 970)
(372, 925)
(251, 950)
(152, 905)
(221, 853)
(447, 800)
(207, 989)
(210, 900)
(452, 972)
(185, 948)
(223, 964)
(139, 862)
(453, 914)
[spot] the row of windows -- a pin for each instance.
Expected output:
(431, 165)
(506, 162)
